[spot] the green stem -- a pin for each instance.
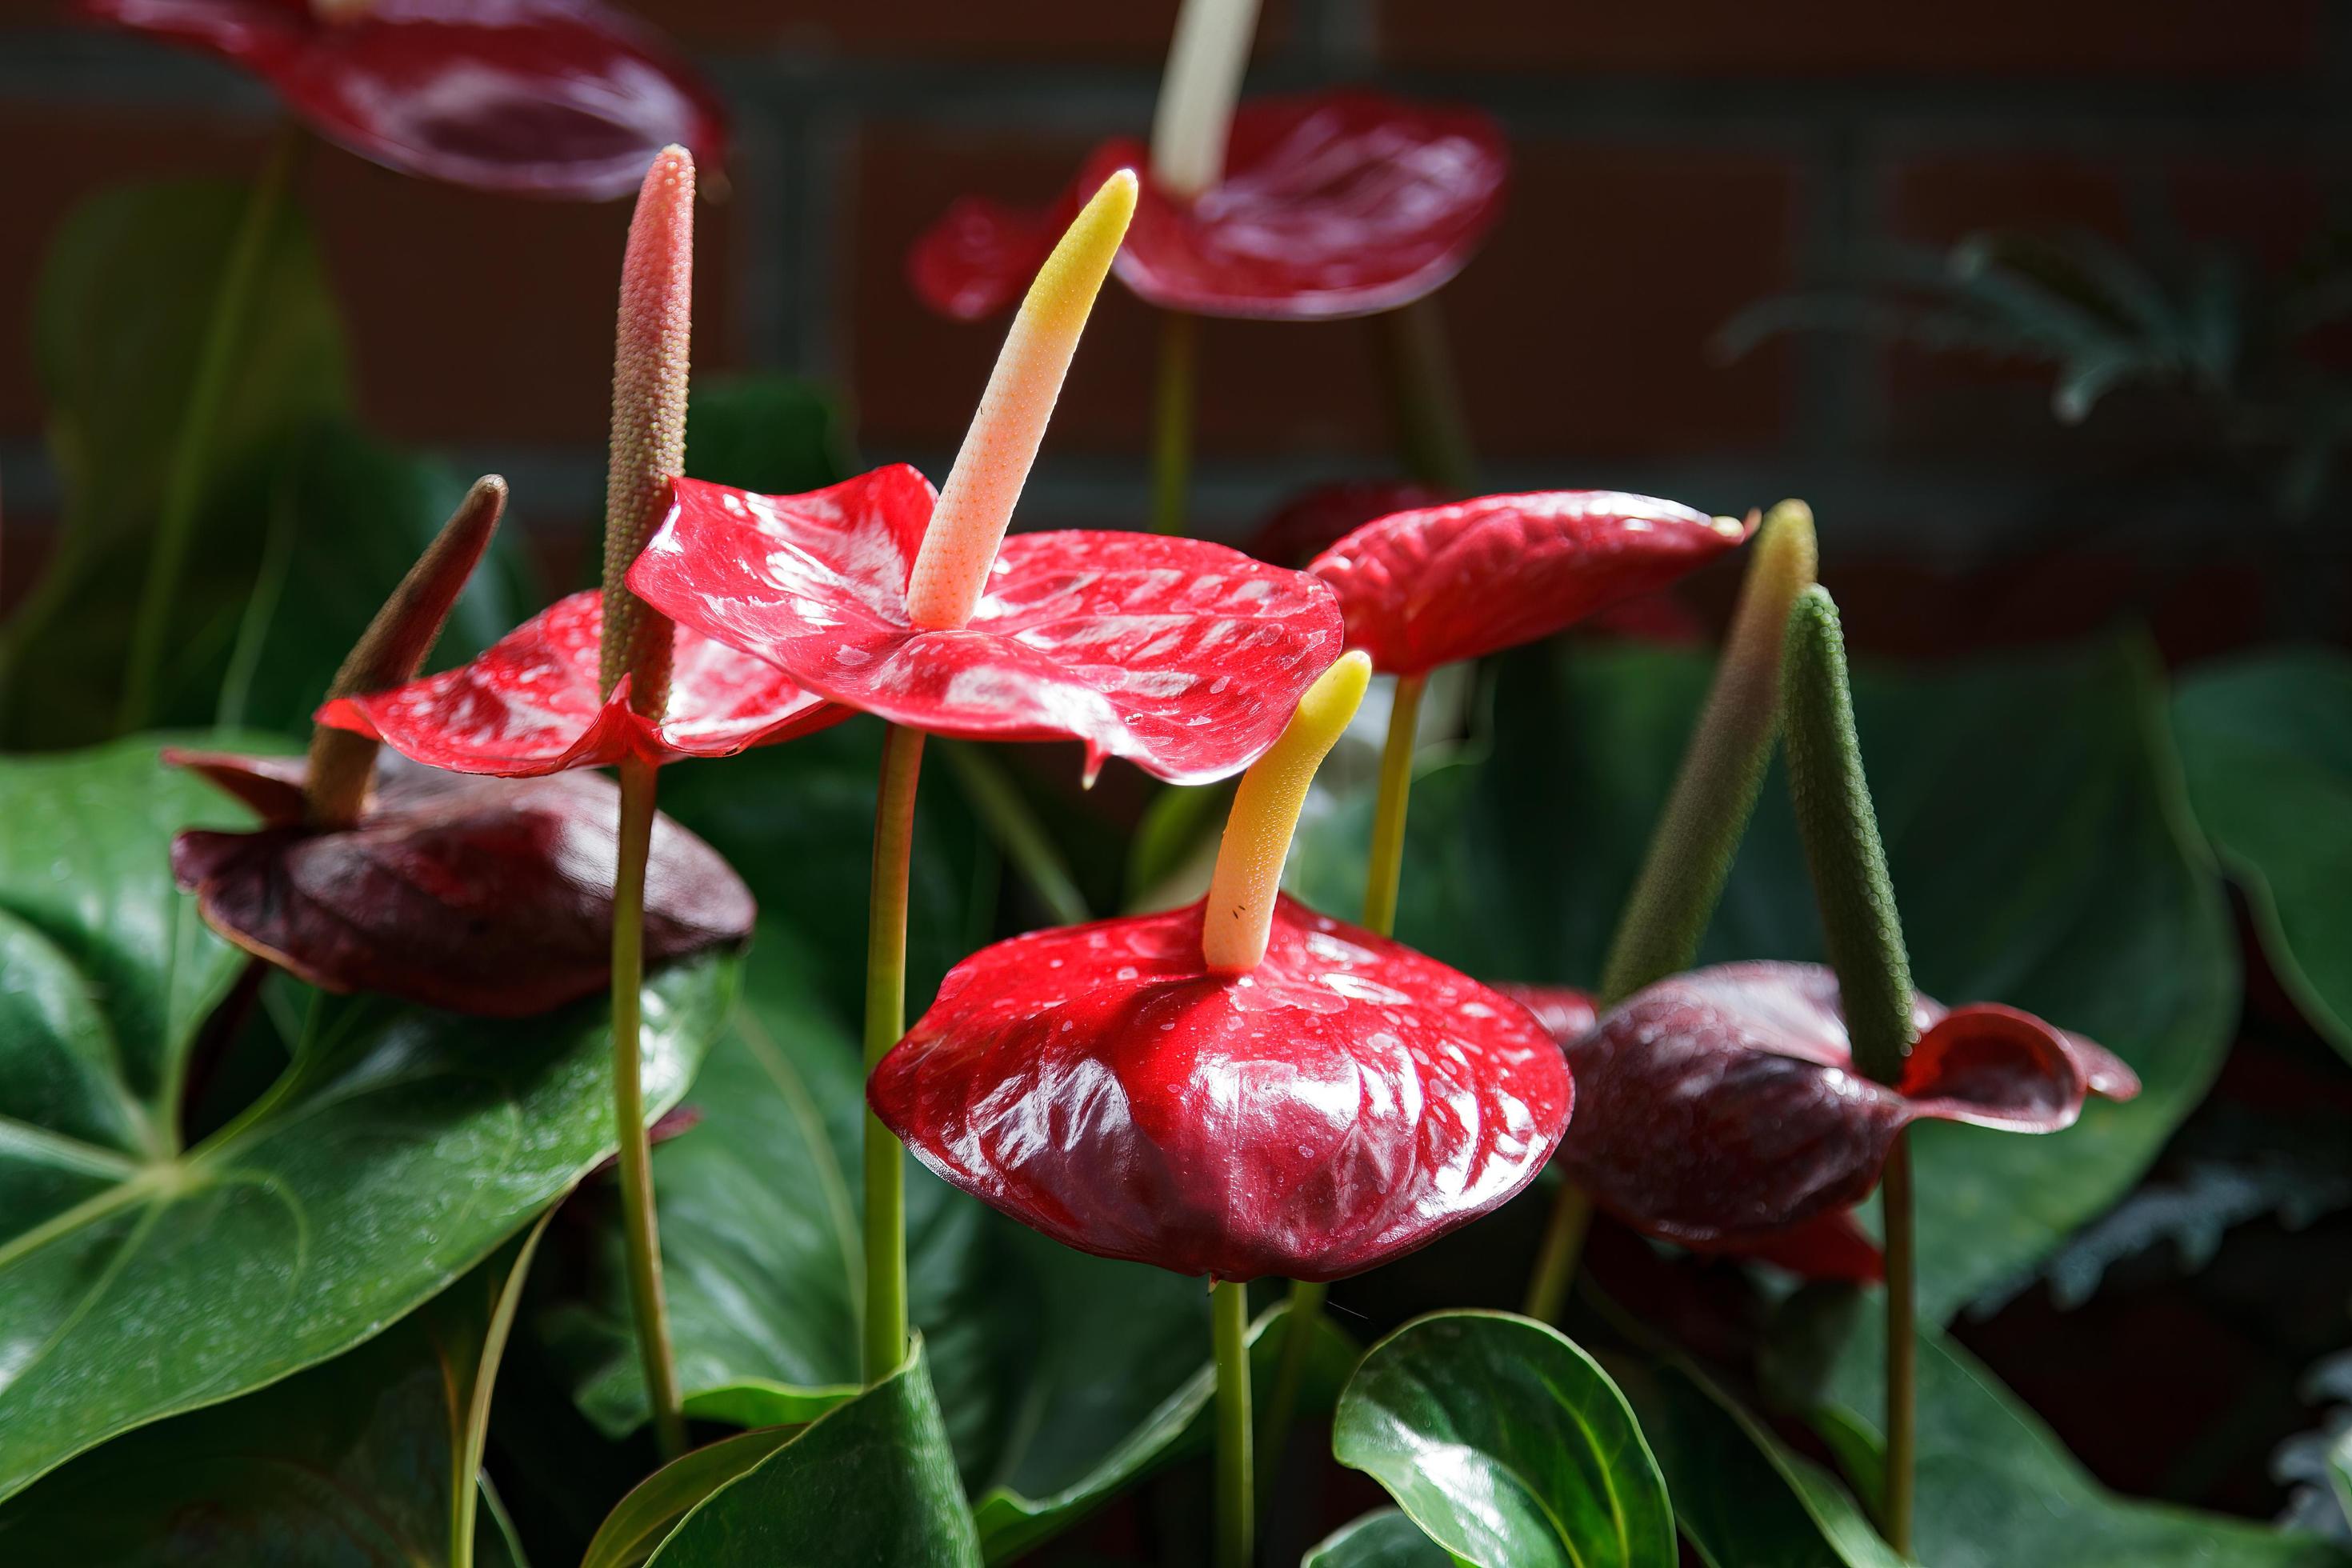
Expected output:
(1236, 1505)
(1556, 1259)
(1902, 1344)
(885, 1344)
(466, 1478)
(1172, 420)
(638, 1225)
(1384, 868)
(184, 481)
(1017, 832)
(1425, 400)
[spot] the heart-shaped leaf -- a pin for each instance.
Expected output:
(871, 1482)
(1386, 1539)
(2083, 895)
(1996, 1489)
(350, 1461)
(125, 298)
(1507, 1444)
(400, 1147)
(2266, 744)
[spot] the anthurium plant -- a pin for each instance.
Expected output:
(499, 1077)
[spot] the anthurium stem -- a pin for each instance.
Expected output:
(224, 341)
(1722, 770)
(1238, 917)
(1171, 421)
(1557, 1258)
(1236, 1479)
(643, 1244)
(1864, 934)
(1433, 432)
(885, 1339)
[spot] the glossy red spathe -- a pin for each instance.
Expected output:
(528, 704)
(1313, 521)
(547, 98)
(1345, 1102)
(1182, 656)
(1421, 589)
(1333, 203)
(1721, 1106)
(486, 895)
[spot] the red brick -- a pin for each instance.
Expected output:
(2201, 38)
(1031, 30)
(1586, 324)
(471, 318)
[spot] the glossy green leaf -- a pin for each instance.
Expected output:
(2266, 744)
(1386, 1539)
(353, 1461)
(1507, 1444)
(1742, 1498)
(124, 298)
(1996, 1489)
(143, 1279)
(775, 435)
(652, 1510)
(2040, 849)
(870, 1484)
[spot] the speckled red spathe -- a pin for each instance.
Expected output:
(1345, 1103)
(1720, 1106)
(530, 705)
(1425, 588)
(549, 98)
(492, 897)
(1182, 656)
(1333, 203)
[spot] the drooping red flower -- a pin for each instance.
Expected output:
(1425, 588)
(1333, 203)
(545, 98)
(1183, 657)
(1721, 1106)
(529, 704)
(1345, 1101)
(486, 895)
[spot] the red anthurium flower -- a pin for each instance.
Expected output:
(547, 98)
(484, 896)
(1182, 656)
(1334, 204)
(1237, 1088)
(1424, 588)
(1722, 1109)
(1827, 1247)
(529, 704)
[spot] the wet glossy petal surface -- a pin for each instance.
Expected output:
(1336, 204)
(528, 704)
(1347, 1102)
(1424, 588)
(485, 896)
(1719, 1106)
(1184, 657)
(552, 98)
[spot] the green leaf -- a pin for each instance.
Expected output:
(1741, 1498)
(1385, 1539)
(870, 1484)
(1507, 1444)
(123, 304)
(1996, 1489)
(2266, 744)
(652, 1510)
(2040, 851)
(775, 435)
(400, 1147)
(356, 1460)
(1066, 1378)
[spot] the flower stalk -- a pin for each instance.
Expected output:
(1172, 420)
(1237, 1500)
(884, 1343)
(1432, 431)
(649, 383)
(1864, 935)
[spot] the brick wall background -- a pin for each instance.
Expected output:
(1675, 160)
